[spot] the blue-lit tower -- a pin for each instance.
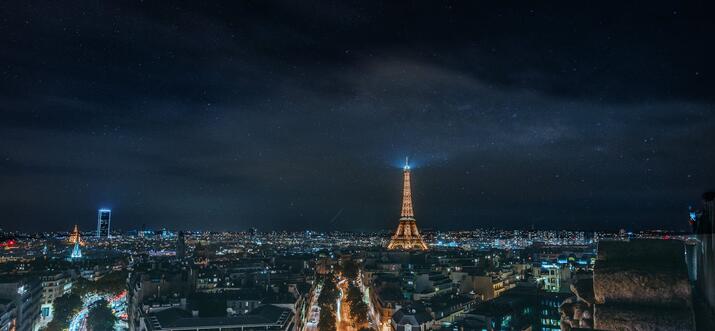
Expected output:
(104, 219)
(76, 252)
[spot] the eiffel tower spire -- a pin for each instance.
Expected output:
(75, 236)
(407, 211)
(407, 236)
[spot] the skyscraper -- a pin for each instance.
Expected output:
(104, 218)
(407, 236)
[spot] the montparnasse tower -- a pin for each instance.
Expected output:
(407, 237)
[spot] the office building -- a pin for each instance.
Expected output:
(104, 220)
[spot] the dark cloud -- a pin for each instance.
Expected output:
(281, 115)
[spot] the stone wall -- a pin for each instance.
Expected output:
(637, 285)
(642, 272)
(577, 311)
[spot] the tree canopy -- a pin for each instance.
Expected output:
(326, 321)
(354, 294)
(350, 270)
(328, 294)
(100, 317)
(112, 284)
(327, 300)
(358, 311)
(358, 308)
(65, 307)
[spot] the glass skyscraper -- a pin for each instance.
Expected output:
(104, 217)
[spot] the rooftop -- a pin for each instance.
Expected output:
(267, 317)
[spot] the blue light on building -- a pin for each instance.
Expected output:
(104, 220)
(76, 252)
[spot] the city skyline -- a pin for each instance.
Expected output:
(356, 165)
(284, 116)
(103, 222)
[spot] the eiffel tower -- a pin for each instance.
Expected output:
(75, 236)
(407, 237)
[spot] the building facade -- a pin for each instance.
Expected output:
(25, 295)
(104, 220)
(54, 286)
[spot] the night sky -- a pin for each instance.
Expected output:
(298, 114)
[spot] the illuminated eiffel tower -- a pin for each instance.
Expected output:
(407, 236)
(74, 237)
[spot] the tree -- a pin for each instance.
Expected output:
(358, 311)
(64, 307)
(328, 294)
(354, 294)
(326, 321)
(326, 300)
(350, 270)
(100, 317)
(111, 284)
(55, 325)
(358, 308)
(337, 268)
